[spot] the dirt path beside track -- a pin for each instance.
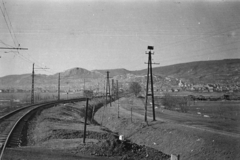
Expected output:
(125, 111)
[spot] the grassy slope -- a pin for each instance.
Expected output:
(171, 137)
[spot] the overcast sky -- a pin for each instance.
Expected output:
(109, 34)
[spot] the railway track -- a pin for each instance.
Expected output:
(12, 124)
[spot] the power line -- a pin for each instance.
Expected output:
(8, 26)
(10, 22)
(194, 39)
(5, 44)
(30, 61)
(205, 49)
(14, 38)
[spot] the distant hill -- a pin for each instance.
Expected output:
(224, 72)
(69, 78)
(14, 80)
(217, 71)
(80, 73)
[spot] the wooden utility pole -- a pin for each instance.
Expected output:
(104, 86)
(84, 84)
(85, 122)
(98, 89)
(32, 95)
(107, 87)
(150, 52)
(117, 98)
(59, 86)
(113, 92)
(108, 94)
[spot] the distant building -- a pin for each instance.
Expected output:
(180, 84)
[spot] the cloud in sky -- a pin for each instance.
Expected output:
(115, 34)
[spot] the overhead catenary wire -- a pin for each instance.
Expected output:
(8, 26)
(9, 22)
(13, 36)
(195, 39)
(208, 53)
(31, 61)
(5, 44)
(204, 53)
(218, 49)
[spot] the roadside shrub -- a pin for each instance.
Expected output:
(175, 103)
(168, 101)
(26, 98)
(94, 105)
(135, 88)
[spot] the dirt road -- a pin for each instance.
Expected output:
(175, 120)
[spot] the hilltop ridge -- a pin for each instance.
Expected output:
(215, 71)
(223, 72)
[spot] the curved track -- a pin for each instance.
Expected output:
(11, 124)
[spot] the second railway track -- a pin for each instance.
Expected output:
(12, 124)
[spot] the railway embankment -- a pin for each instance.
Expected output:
(60, 130)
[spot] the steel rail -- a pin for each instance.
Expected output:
(19, 109)
(14, 111)
(30, 109)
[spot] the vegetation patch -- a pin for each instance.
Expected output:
(175, 103)
(124, 149)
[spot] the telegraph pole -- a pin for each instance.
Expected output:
(104, 86)
(32, 95)
(59, 86)
(113, 92)
(84, 84)
(85, 122)
(117, 98)
(107, 94)
(98, 90)
(150, 52)
(108, 89)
